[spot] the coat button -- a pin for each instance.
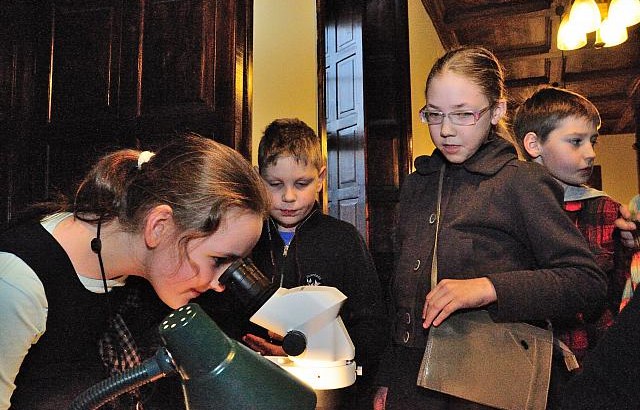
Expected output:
(407, 318)
(417, 265)
(432, 219)
(406, 337)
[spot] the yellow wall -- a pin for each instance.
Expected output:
(288, 27)
(285, 81)
(286, 86)
(616, 156)
(424, 48)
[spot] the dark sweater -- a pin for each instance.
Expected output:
(330, 252)
(611, 375)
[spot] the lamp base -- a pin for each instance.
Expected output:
(325, 376)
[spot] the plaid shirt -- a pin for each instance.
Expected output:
(595, 218)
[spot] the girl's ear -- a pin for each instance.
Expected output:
(498, 111)
(158, 224)
(532, 145)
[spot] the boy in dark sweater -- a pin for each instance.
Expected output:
(300, 246)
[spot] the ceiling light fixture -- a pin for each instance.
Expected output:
(608, 18)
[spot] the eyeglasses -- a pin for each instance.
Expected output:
(465, 118)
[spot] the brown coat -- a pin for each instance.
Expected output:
(501, 218)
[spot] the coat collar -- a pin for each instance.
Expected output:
(489, 159)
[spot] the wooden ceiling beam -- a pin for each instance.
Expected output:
(436, 10)
(626, 121)
(603, 74)
(484, 11)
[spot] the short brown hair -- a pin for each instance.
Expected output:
(289, 136)
(542, 112)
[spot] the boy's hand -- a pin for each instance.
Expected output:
(380, 398)
(450, 295)
(627, 228)
(263, 346)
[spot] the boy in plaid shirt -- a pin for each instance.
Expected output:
(559, 129)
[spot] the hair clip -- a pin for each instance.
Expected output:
(144, 157)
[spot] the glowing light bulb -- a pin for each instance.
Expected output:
(569, 36)
(611, 34)
(625, 12)
(585, 14)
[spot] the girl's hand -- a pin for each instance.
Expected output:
(450, 295)
(263, 346)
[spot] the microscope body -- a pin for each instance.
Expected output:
(320, 351)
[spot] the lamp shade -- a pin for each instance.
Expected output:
(626, 12)
(611, 34)
(569, 37)
(585, 14)
(219, 373)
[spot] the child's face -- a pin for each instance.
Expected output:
(568, 151)
(293, 187)
(449, 92)
(177, 279)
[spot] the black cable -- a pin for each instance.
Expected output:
(96, 247)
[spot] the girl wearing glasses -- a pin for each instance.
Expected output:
(495, 250)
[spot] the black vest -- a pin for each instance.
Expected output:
(64, 362)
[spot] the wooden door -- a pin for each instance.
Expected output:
(388, 122)
(367, 103)
(345, 113)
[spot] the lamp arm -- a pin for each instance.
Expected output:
(152, 369)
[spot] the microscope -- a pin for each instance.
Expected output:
(318, 347)
(217, 372)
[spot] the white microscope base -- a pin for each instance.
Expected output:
(334, 376)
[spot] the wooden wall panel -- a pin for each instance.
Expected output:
(83, 77)
(85, 61)
(17, 71)
(177, 57)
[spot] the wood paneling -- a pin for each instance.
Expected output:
(86, 77)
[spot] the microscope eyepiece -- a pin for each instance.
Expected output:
(250, 287)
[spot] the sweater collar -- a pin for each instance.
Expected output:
(308, 219)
